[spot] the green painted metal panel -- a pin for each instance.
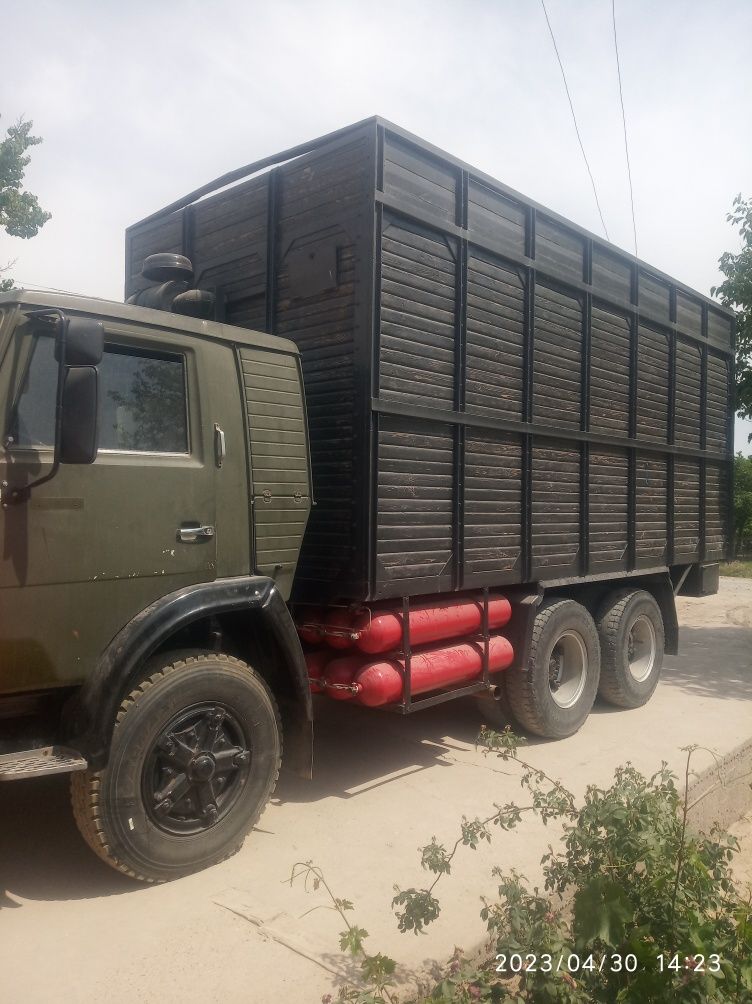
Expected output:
(278, 455)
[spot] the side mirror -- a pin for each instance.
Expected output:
(83, 338)
(79, 418)
(81, 346)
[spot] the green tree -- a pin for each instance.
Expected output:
(736, 292)
(20, 212)
(742, 500)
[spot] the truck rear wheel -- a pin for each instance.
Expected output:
(194, 758)
(632, 637)
(552, 696)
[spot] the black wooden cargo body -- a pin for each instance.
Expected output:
(495, 396)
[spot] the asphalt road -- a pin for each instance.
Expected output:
(73, 930)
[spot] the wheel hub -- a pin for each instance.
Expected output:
(641, 648)
(567, 669)
(196, 769)
(554, 671)
(202, 767)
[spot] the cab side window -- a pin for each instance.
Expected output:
(33, 426)
(143, 403)
(143, 406)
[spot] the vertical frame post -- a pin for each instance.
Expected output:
(271, 250)
(460, 366)
(486, 637)
(407, 687)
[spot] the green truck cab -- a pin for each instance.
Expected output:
(148, 523)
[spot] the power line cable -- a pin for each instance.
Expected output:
(574, 119)
(624, 124)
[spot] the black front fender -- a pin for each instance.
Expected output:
(90, 717)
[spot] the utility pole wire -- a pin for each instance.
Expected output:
(624, 124)
(574, 119)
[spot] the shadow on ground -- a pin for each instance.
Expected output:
(357, 749)
(42, 855)
(707, 670)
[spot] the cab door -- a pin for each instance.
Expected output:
(98, 543)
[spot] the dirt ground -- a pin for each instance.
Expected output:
(742, 830)
(72, 930)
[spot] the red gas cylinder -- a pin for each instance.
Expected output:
(381, 682)
(309, 624)
(338, 676)
(316, 664)
(338, 627)
(448, 619)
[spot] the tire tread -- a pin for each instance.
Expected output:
(610, 686)
(523, 699)
(85, 786)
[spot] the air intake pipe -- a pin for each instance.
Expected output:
(174, 293)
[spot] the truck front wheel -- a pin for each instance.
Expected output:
(630, 627)
(194, 758)
(552, 695)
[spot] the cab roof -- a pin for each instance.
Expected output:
(145, 317)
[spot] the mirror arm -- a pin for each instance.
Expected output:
(15, 496)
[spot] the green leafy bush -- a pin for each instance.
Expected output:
(634, 907)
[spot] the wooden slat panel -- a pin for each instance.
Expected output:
(559, 252)
(719, 329)
(321, 206)
(688, 315)
(654, 297)
(608, 485)
(612, 276)
(419, 180)
(557, 358)
(493, 506)
(717, 489)
(609, 373)
(718, 403)
(652, 385)
(688, 394)
(495, 339)
(556, 508)
(417, 315)
(687, 510)
(496, 221)
(415, 506)
(651, 524)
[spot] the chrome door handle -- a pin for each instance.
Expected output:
(220, 447)
(191, 534)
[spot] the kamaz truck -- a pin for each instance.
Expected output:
(369, 425)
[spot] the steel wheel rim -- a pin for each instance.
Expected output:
(641, 648)
(195, 770)
(567, 669)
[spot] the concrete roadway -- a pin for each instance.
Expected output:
(72, 930)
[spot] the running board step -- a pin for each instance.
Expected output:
(39, 762)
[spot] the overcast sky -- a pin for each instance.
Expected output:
(139, 103)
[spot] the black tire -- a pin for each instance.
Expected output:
(495, 710)
(205, 724)
(630, 627)
(552, 696)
